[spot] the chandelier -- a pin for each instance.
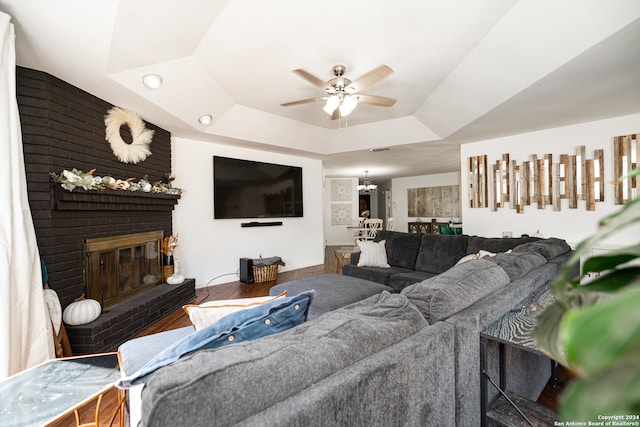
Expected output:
(366, 185)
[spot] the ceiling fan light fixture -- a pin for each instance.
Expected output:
(152, 81)
(332, 103)
(347, 105)
(342, 94)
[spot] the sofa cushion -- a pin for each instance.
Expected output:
(245, 325)
(378, 275)
(333, 291)
(402, 248)
(496, 244)
(548, 248)
(517, 264)
(440, 252)
(399, 281)
(372, 254)
(456, 289)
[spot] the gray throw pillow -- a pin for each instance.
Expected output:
(456, 289)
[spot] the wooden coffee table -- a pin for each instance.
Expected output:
(52, 390)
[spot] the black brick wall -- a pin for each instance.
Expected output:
(63, 128)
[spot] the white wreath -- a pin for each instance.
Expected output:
(138, 150)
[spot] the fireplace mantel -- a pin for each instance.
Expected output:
(111, 200)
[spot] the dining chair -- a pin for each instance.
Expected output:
(391, 223)
(444, 229)
(359, 231)
(372, 226)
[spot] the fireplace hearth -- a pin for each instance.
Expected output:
(126, 319)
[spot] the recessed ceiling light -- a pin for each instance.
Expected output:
(376, 150)
(206, 119)
(152, 81)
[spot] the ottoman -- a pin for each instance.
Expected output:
(332, 291)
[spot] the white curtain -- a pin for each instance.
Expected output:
(25, 330)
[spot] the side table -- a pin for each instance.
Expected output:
(514, 329)
(53, 389)
(342, 255)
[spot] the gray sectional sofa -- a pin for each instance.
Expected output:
(415, 257)
(370, 354)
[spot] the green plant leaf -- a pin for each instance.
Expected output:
(547, 332)
(611, 259)
(634, 172)
(612, 281)
(615, 390)
(597, 336)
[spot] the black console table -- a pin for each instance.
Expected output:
(514, 329)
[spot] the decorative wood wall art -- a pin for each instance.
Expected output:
(563, 183)
(598, 178)
(626, 149)
(541, 182)
(477, 169)
(432, 202)
(555, 185)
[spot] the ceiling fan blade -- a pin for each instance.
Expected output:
(303, 101)
(312, 79)
(370, 78)
(382, 101)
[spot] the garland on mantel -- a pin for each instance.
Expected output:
(76, 178)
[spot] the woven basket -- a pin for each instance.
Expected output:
(265, 273)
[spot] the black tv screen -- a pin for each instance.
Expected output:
(250, 189)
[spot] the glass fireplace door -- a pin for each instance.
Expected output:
(117, 267)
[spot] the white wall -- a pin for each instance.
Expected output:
(209, 248)
(572, 225)
(399, 187)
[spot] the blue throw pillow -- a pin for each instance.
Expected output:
(245, 325)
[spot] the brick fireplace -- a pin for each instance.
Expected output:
(63, 128)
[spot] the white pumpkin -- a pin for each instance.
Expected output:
(81, 311)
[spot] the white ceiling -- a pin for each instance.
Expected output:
(464, 70)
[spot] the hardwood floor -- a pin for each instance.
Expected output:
(178, 319)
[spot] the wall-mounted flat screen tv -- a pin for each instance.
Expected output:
(250, 189)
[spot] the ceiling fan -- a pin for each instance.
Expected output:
(343, 95)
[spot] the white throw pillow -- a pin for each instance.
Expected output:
(372, 254)
(210, 312)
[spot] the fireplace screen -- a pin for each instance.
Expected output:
(119, 266)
